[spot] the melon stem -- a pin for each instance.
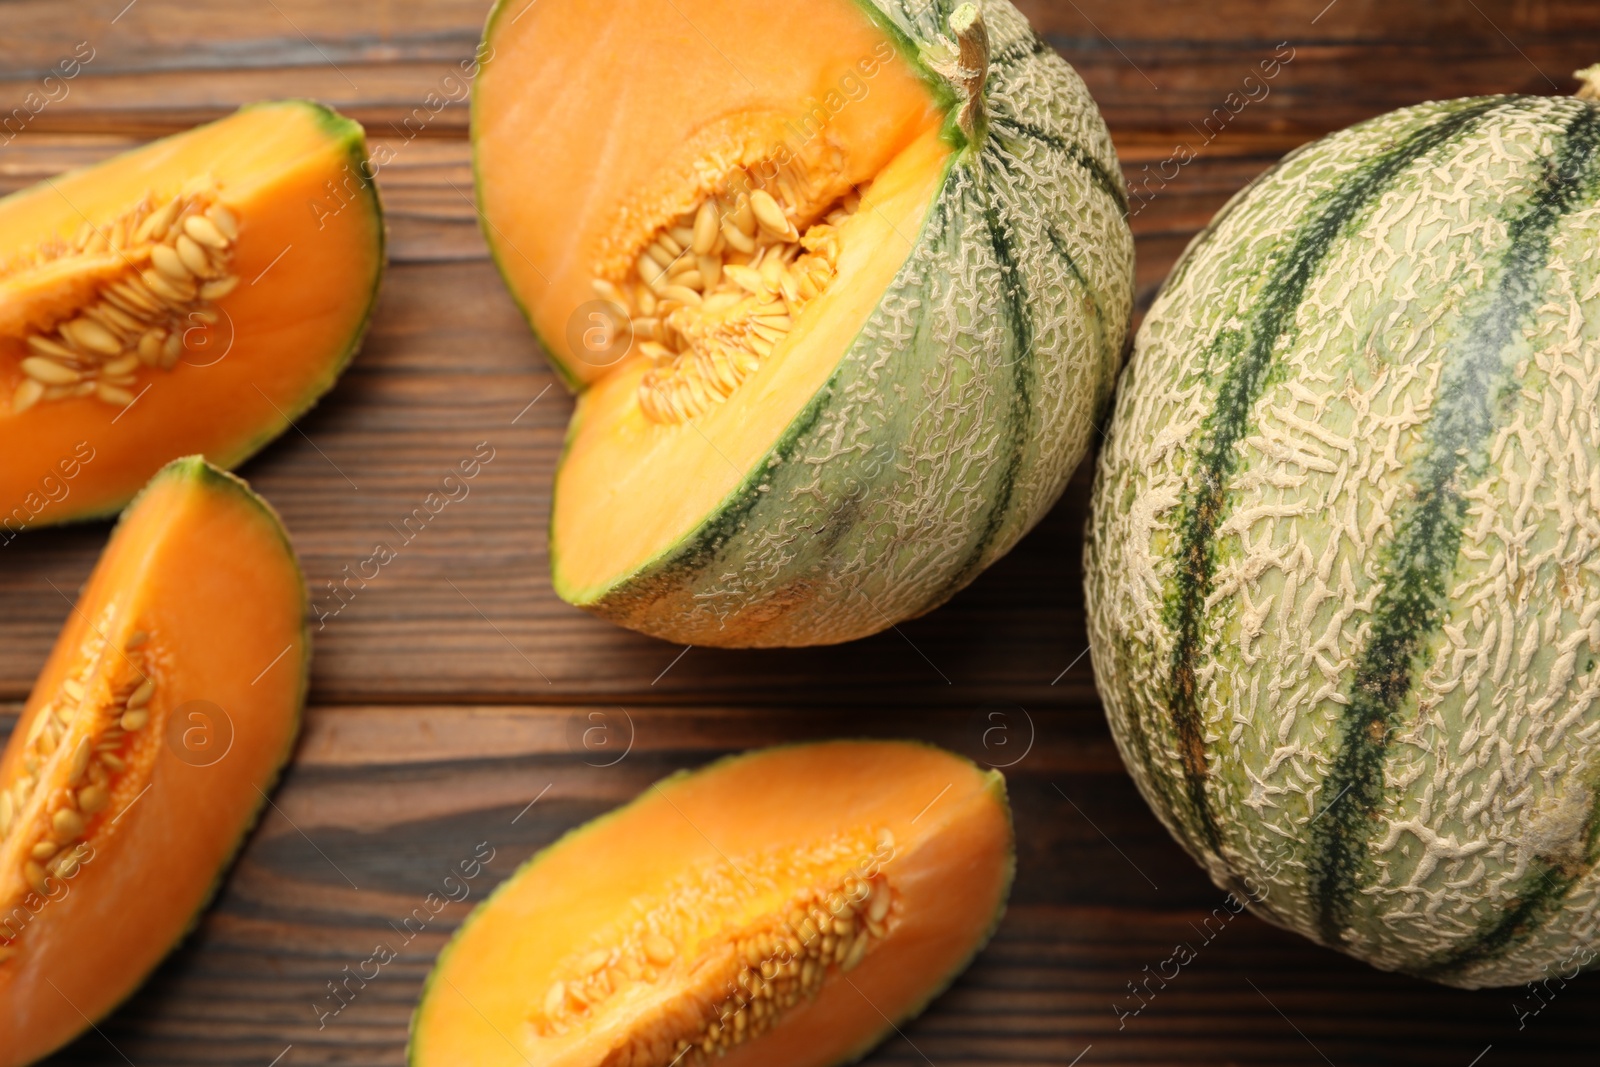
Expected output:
(972, 67)
(1590, 79)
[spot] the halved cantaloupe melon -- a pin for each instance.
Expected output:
(843, 286)
(190, 296)
(164, 714)
(784, 908)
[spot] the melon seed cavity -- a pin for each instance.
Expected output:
(160, 266)
(713, 292)
(77, 752)
(735, 983)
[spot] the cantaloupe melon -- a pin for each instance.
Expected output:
(843, 286)
(1344, 562)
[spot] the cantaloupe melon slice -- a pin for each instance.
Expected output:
(191, 296)
(145, 751)
(784, 908)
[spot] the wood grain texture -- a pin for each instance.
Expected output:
(382, 801)
(454, 688)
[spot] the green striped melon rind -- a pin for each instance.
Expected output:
(954, 419)
(1343, 567)
(994, 785)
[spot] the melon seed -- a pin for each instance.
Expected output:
(141, 696)
(121, 365)
(90, 335)
(67, 863)
(170, 263)
(737, 238)
(33, 874)
(205, 231)
(93, 798)
(219, 287)
(43, 346)
(705, 228)
(48, 371)
(555, 999)
(151, 346)
(223, 219)
(857, 951)
(27, 395)
(768, 213)
(113, 394)
(158, 221)
(658, 950)
(80, 761)
(172, 290)
(190, 255)
(43, 850)
(135, 720)
(880, 903)
(744, 218)
(67, 824)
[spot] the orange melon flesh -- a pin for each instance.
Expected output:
(308, 256)
(708, 858)
(593, 129)
(201, 566)
(616, 456)
(580, 110)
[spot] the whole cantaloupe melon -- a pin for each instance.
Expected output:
(1344, 560)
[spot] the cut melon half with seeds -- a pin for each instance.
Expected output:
(142, 757)
(843, 287)
(191, 296)
(783, 908)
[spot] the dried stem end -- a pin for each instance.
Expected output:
(972, 67)
(1590, 77)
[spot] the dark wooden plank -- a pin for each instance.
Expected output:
(381, 801)
(165, 64)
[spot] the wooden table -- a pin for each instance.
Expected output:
(454, 690)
